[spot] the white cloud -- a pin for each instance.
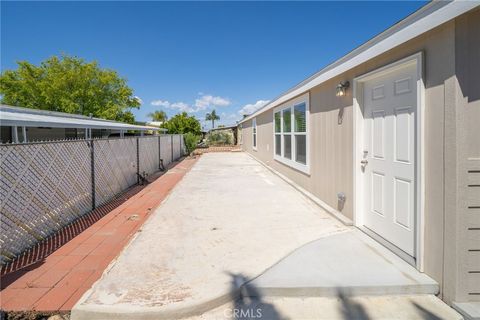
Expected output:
(252, 107)
(206, 101)
(160, 103)
(202, 103)
(138, 99)
(181, 106)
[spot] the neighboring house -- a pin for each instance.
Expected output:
(154, 123)
(387, 137)
(20, 125)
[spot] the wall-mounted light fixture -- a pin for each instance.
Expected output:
(342, 88)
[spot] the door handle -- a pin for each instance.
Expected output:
(364, 162)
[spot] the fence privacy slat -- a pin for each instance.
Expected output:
(148, 155)
(45, 186)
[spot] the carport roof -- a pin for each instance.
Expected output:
(25, 117)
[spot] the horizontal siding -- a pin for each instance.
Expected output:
(473, 234)
(473, 261)
(473, 229)
(474, 178)
(473, 283)
(473, 218)
(473, 197)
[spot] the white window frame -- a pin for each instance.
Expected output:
(254, 134)
(305, 168)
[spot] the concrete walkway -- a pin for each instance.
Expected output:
(228, 216)
(385, 307)
(231, 220)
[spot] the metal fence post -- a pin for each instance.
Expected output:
(182, 148)
(171, 144)
(159, 153)
(138, 162)
(92, 169)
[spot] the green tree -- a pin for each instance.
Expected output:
(182, 123)
(212, 116)
(69, 84)
(158, 115)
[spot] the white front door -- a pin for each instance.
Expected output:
(388, 159)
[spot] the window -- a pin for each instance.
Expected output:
(254, 133)
(287, 137)
(290, 134)
(278, 134)
(300, 133)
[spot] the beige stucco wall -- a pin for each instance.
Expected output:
(331, 138)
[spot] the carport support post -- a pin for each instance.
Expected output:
(24, 133)
(171, 144)
(15, 134)
(138, 162)
(92, 170)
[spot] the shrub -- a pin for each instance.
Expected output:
(191, 141)
(219, 138)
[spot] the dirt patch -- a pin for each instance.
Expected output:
(210, 149)
(34, 315)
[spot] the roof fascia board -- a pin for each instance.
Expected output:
(376, 47)
(49, 124)
(103, 123)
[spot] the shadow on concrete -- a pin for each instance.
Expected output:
(426, 315)
(350, 309)
(248, 304)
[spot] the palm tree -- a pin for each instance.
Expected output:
(158, 115)
(212, 116)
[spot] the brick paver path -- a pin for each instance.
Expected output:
(57, 282)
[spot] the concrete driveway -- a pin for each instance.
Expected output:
(231, 220)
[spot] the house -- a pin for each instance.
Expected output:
(386, 138)
(154, 123)
(19, 125)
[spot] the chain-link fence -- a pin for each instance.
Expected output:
(45, 186)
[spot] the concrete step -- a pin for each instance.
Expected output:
(347, 263)
(470, 310)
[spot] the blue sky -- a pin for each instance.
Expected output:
(195, 56)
